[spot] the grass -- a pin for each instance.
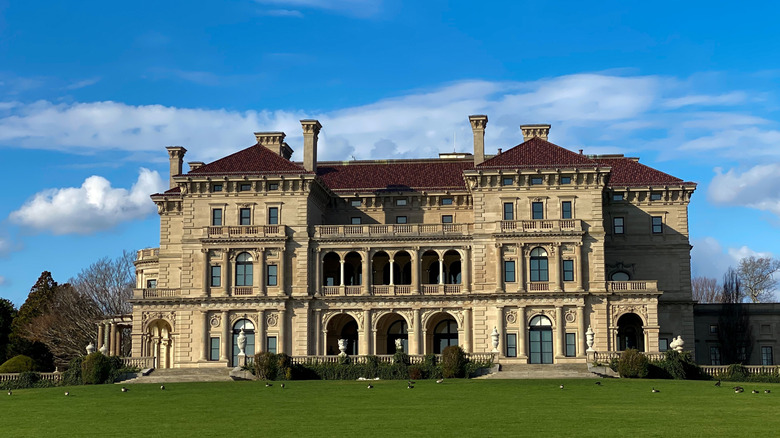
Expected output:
(453, 408)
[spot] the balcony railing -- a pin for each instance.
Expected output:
(392, 230)
(157, 292)
(148, 253)
(392, 290)
(441, 289)
(386, 358)
(541, 226)
(633, 286)
(242, 291)
(539, 286)
(246, 231)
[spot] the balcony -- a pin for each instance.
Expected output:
(383, 290)
(392, 230)
(148, 254)
(246, 231)
(542, 226)
(342, 291)
(639, 286)
(156, 292)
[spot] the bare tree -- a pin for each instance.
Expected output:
(109, 283)
(757, 276)
(734, 333)
(706, 290)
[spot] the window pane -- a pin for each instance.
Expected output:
(400, 202)
(566, 210)
(658, 226)
(507, 181)
(216, 188)
(617, 225)
(446, 219)
(356, 203)
(151, 284)
(216, 276)
(571, 344)
(271, 344)
(355, 221)
(511, 345)
(400, 219)
(245, 187)
(272, 280)
(446, 201)
(538, 210)
(655, 196)
(273, 216)
(216, 217)
(568, 270)
(617, 197)
(245, 216)
(214, 354)
(536, 181)
(509, 211)
(273, 186)
(565, 180)
(509, 271)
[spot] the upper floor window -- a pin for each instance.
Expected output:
(539, 270)
(617, 196)
(537, 180)
(216, 275)
(245, 216)
(537, 210)
(272, 275)
(766, 356)
(446, 201)
(509, 271)
(568, 270)
(655, 196)
(151, 284)
(620, 276)
(273, 186)
(617, 225)
(273, 216)
(400, 202)
(507, 181)
(509, 211)
(216, 187)
(565, 180)
(446, 219)
(216, 217)
(566, 210)
(356, 203)
(355, 220)
(400, 219)
(658, 225)
(245, 187)
(244, 269)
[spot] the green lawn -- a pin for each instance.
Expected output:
(455, 408)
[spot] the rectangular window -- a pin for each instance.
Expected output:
(273, 216)
(216, 188)
(714, 356)
(509, 211)
(566, 210)
(617, 196)
(216, 276)
(663, 344)
(565, 180)
(355, 221)
(400, 219)
(537, 210)
(400, 202)
(509, 271)
(245, 187)
(658, 225)
(713, 328)
(446, 201)
(507, 181)
(151, 284)
(273, 186)
(272, 280)
(655, 196)
(571, 344)
(617, 225)
(270, 344)
(216, 217)
(537, 180)
(446, 219)
(766, 356)
(245, 216)
(356, 203)
(511, 345)
(214, 353)
(568, 270)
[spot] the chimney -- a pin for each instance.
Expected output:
(176, 157)
(531, 131)
(478, 124)
(311, 132)
(275, 142)
(195, 165)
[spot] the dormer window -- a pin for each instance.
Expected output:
(507, 181)
(245, 187)
(356, 203)
(400, 202)
(617, 196)
(446, 201)
(565, 180)
(273, 186)
(655, 196)
(536, 181)
(216, 187)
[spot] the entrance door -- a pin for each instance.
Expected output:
(540, 337)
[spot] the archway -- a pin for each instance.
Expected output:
(540, 340)
(380, 269)
(403, 272)
(342, 326)
(160, 344)
(353, 272)
(389, 328)
(430, 267)
(331, 269)
(249, 332)
(538, 265)
(442, 332)
(630, 333)
(452, 267)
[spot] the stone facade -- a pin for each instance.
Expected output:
(762, 321)
(537, 242)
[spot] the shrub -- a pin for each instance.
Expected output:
(95, 369)
(265, 366)
(632, 364)
(736, 372)
(72, 376)
(18, 364)
(415, 372)
(27, 379)
(453, 362)
(401, 357)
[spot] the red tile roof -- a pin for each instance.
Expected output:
(171, 192)
(537, 153)
(629, 172)
(401, 175)
(254, 159)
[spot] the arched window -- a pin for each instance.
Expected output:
(249, 332)
(397, 330)
(444, 335)
(540, 340)
(539, 270)
(620, 276)
(244, 269)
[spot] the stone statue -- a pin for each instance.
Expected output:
(343, 347)
(677, 344)
(494, 336)
(589, 335)
(104, 350)
(399, 345)
(90, 348)
(241, 343)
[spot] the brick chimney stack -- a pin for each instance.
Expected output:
(176, 158)
(478, 124)
(311, 132)
(275, 142)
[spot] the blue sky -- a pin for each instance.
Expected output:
(92, 92)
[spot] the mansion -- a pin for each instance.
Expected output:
(535, 243)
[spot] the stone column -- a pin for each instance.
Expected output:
(365, 342)
(228, 274)
(559, 331)
(441, 270)
(118, 342)
(520, 273)
(281, 279)
(319, 349)
(578, 266)
(112, 340)
(101, 336)
(522, 334)
(206, 273)
(417, 336)
(467, 331)
(500, 328)
(582, 343)
(261, 291)
(280, 343)
(416, 272)
(317, 273)
(260, 341)
(392, 276)
(226, 339)
(558, 270)
(499, 269)
(465, 271)
(366, 280)
(204, 320)
(341, 272)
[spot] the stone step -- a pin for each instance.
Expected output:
(184, 375)
(538, 371)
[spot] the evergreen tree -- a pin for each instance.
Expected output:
(7, 314)
(20, 342)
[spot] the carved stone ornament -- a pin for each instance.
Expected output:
(215, 320)
(620, 310)
(511, 317)
(271, 320)
(570, 316)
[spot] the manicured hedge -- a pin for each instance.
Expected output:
(18, 364)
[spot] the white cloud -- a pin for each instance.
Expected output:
(710, 259)
(2, 280)
(5, 247)
(94, 206)
(359, 8)
(82, 84)
(758, 187)
(283, 13)
(706, 100)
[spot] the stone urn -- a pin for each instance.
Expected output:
(677, 344)
(494, 337)
(343, 346)
(399, 345)
(241, 343)
(589, 335)
(90, 348)
(104, 350)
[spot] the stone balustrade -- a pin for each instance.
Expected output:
(650, 286)
(541, 226)
(391, 290)
(138, 362)
(388, 230)
(147, 254)
(245, 231)
(606, 356)
(719, 370)
(154, 292)
(54, 377)
(386, 358)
